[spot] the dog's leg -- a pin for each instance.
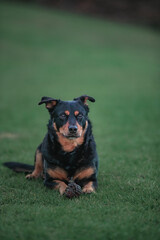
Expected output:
(56, 184)
(86, 178)
(38, 168)
(55, 179)
(61, 186)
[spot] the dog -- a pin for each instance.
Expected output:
(68, 151)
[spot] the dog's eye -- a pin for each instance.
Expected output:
(62, 116)
(80, 116)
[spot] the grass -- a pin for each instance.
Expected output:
(53, 53)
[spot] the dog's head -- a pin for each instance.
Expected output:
(70, 118)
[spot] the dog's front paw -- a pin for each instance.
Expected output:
(31, 176)
(88, 188)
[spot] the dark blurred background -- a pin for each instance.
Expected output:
(138, 11)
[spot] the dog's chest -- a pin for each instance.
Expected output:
(71, 162)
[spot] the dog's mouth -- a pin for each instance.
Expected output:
(71, 136)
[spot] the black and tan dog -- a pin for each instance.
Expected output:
(68, 150)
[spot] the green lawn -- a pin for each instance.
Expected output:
(52, 53)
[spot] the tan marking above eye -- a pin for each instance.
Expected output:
(76, 113)
(67, 112)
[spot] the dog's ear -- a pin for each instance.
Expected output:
(49, 102)
(84, 99)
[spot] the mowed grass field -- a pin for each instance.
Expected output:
(45, 52)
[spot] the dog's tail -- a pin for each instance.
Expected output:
(19, 167)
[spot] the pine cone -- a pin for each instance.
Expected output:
(73, 190)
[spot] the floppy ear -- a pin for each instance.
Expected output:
(84, 99)
(50, 102)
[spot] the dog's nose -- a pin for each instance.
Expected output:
(73, 129)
